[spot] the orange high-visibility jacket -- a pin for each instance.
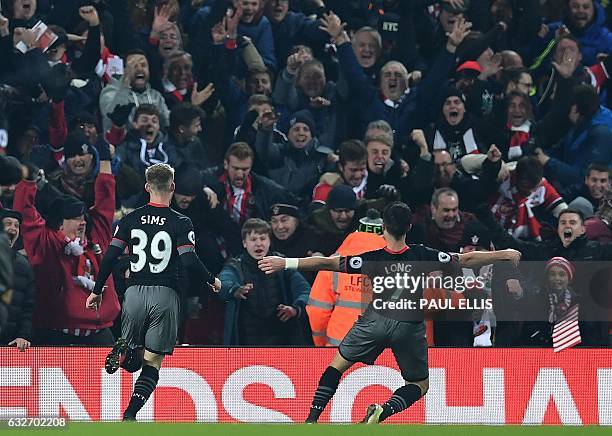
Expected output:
(337, 299)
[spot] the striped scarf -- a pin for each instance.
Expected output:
(239, 203)
(558, 305)
(519, 136)
(515, 212)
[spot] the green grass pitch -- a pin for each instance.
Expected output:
(154, 429)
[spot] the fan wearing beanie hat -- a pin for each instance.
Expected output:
(294, 238)
(77, 174)
(302, 117)
(453, 129)
(298, 162)
(65, 250)
(560, 273)
(11, 219)
(188, 184)
(77, 144)
(342, 204)
(342, 197)
(475, 237)
(338, 217)
(371, 223)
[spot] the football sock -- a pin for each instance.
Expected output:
(401, 399)
(132, 361)
(144, 387)
(325, 391)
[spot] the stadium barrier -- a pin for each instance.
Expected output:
(467, 386)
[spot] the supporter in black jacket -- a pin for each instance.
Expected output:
(298, 162)
(473, 188)
(18, 329)
(242, 193)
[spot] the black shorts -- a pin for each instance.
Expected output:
(372, 333)
(150, 318)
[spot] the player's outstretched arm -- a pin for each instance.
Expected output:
(106, 268)
(477, 259)
(198, 270)
(271, 264)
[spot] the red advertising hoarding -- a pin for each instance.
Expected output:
(475, 386)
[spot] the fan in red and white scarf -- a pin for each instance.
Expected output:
(238, 199)
(518, 196)
(518, 116)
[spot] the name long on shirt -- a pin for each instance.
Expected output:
(400, 277)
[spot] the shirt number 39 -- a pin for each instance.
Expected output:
(160, 249)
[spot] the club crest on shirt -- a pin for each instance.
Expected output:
(355, 262)
(444, 257)
(191, 237)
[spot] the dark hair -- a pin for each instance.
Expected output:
(352, 150)
(256, 225)
(240, 150)
(183, 115)
(146, 109)
(599, 167)
(61, 33)
(586, 100)
(134, 52)
(397, 219)
(526, 101)
(571, 210)
(529, 168)
(513, 75)
(571, 38)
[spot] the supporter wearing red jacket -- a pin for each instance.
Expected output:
(66, 262)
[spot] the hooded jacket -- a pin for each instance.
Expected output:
(585, 143)
(118, 93)
(595, 38)
(297, 169)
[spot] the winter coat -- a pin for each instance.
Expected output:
(585, 143)
(294, 289)
(266, 192)
(403, 116)
(118, 93)
(60, 302)
(22, 303)
(296, 169)
(328, 119)
(595, 39)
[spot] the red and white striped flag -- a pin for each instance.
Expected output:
(566, 332)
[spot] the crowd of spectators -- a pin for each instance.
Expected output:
(288, 122)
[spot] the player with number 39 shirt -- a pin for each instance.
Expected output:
(159, 239)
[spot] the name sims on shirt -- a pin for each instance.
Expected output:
(152, 219)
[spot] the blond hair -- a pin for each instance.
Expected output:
(160, 177)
